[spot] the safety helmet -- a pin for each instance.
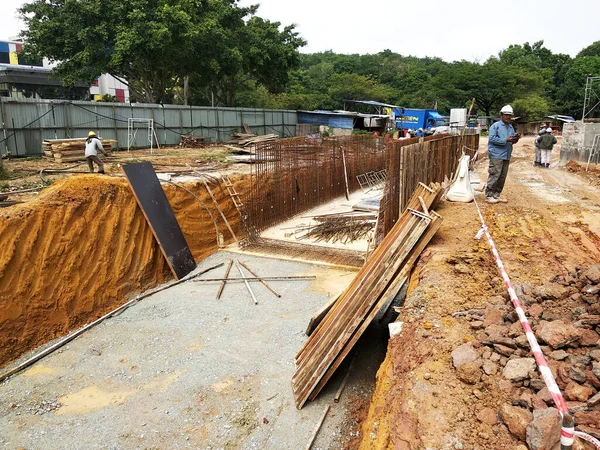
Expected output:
(506, 109)
(542, 131)
(92, 134)
(420, 129)
(548, 130)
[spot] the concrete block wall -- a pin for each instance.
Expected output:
(578, 138)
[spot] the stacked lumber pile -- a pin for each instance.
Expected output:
(68, 150)
(246, 139)
(194, 141)
(372, 290)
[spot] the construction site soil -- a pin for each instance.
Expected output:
(82, 247)
(549, 227)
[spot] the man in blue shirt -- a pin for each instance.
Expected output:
(502, 136)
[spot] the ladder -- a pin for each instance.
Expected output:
(235, 196)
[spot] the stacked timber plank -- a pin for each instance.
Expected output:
(372, 290)
(68, 150)
(246, 139)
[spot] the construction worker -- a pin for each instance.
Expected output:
(538, 153)
(502, 136)
(419, 133)
(92, 144)
(546, 143)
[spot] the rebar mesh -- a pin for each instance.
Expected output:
(294, 175)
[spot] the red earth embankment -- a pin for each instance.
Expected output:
(81, 249)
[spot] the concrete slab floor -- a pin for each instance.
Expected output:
(338, 205)
(181, 369)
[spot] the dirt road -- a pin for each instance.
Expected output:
(550, 226)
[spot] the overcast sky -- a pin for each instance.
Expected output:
(450, 30)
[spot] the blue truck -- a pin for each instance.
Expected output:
(414, 119)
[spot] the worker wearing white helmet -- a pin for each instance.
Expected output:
(419, 132)
(92, 145)
(546, 143)
(502, 136)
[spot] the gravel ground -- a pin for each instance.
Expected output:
(181, 369)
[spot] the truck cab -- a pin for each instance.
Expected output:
(413, 119)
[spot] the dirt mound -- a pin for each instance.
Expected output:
(421, 401)
(81, 248)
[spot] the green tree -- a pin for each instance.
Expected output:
(263, 54)
(532, 107)
(590, 50)
(571, 93)
(156, 44)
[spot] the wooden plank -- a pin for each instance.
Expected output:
(367, 294)
(374, 265)
(375, 258)
(156, 208)
(312, 376)
(403, 275)
(72, 140)
(317, 317)
(348, 317)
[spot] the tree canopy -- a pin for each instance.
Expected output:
(155, 44)
(534, 80)
(200, 51)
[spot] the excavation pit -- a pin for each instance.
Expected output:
(182, 369)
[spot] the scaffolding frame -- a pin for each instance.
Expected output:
(594, 151)
(132, 131)
(590, 96)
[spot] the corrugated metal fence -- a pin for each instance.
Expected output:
(26, 122)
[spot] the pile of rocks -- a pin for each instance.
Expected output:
(565, 316)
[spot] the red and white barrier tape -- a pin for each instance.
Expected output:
(567, 434)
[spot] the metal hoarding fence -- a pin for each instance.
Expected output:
(27, 122)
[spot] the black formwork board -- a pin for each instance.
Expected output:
(154, 204)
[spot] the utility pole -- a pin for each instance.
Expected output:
(186, 90)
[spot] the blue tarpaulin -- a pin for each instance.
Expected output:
(324, 118)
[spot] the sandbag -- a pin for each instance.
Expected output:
(460, 190)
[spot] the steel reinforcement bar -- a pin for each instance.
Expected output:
(294, 175)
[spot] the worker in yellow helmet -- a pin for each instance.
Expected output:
(92, 145)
